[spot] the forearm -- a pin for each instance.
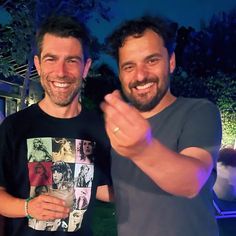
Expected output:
(178, 174)
(11, 206)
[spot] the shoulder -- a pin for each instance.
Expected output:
(200, 116)
(22, 114)
(197, 105)
(195, 101)
(19, 121)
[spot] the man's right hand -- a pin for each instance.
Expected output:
(45, 207)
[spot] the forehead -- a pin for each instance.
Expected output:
(61, 45)
(148, 41)
(147, 34)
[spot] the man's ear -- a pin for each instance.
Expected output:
(37, 64)
(172, 63)
(87, 67)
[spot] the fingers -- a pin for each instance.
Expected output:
(113, 117)
(119, 114)
(45, 207)
(115, 101)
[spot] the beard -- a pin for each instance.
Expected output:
(143, 103)
(62, 98)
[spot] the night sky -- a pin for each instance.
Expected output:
(184, 12)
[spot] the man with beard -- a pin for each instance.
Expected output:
(164, 147)
(62, 62)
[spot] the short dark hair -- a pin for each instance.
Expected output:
(64, 26)
(165, 28)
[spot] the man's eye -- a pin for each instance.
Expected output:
(49, 59)
(72, 61)
(153, 61)
(128, 68)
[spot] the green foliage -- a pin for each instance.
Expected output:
(223, 90)
(220, 89)
(228, 116)
(16, 37)
(6, 67)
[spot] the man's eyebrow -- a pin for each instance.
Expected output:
(75, 57)
(49, 55)
(154, 55)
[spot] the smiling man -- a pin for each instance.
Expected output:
(62, 63)
(164, 147)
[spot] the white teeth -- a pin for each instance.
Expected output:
(61, 85)
(145, 86)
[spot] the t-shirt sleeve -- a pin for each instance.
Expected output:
(5, 151)
(104, 159)
(104, 165)
(202, 128)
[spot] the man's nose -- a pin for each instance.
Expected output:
(141, 72)
(61, 69)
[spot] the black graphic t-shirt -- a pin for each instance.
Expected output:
(66, 158)
(62, 168)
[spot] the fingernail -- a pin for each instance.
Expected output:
(108, 97)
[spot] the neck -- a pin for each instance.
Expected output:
(166, 101)
(69, 111)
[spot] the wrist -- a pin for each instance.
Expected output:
(26, 208)
(144, 151)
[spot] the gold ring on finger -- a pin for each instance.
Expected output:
(115, 130)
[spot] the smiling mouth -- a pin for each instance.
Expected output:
(60, 85)
(145, 86)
